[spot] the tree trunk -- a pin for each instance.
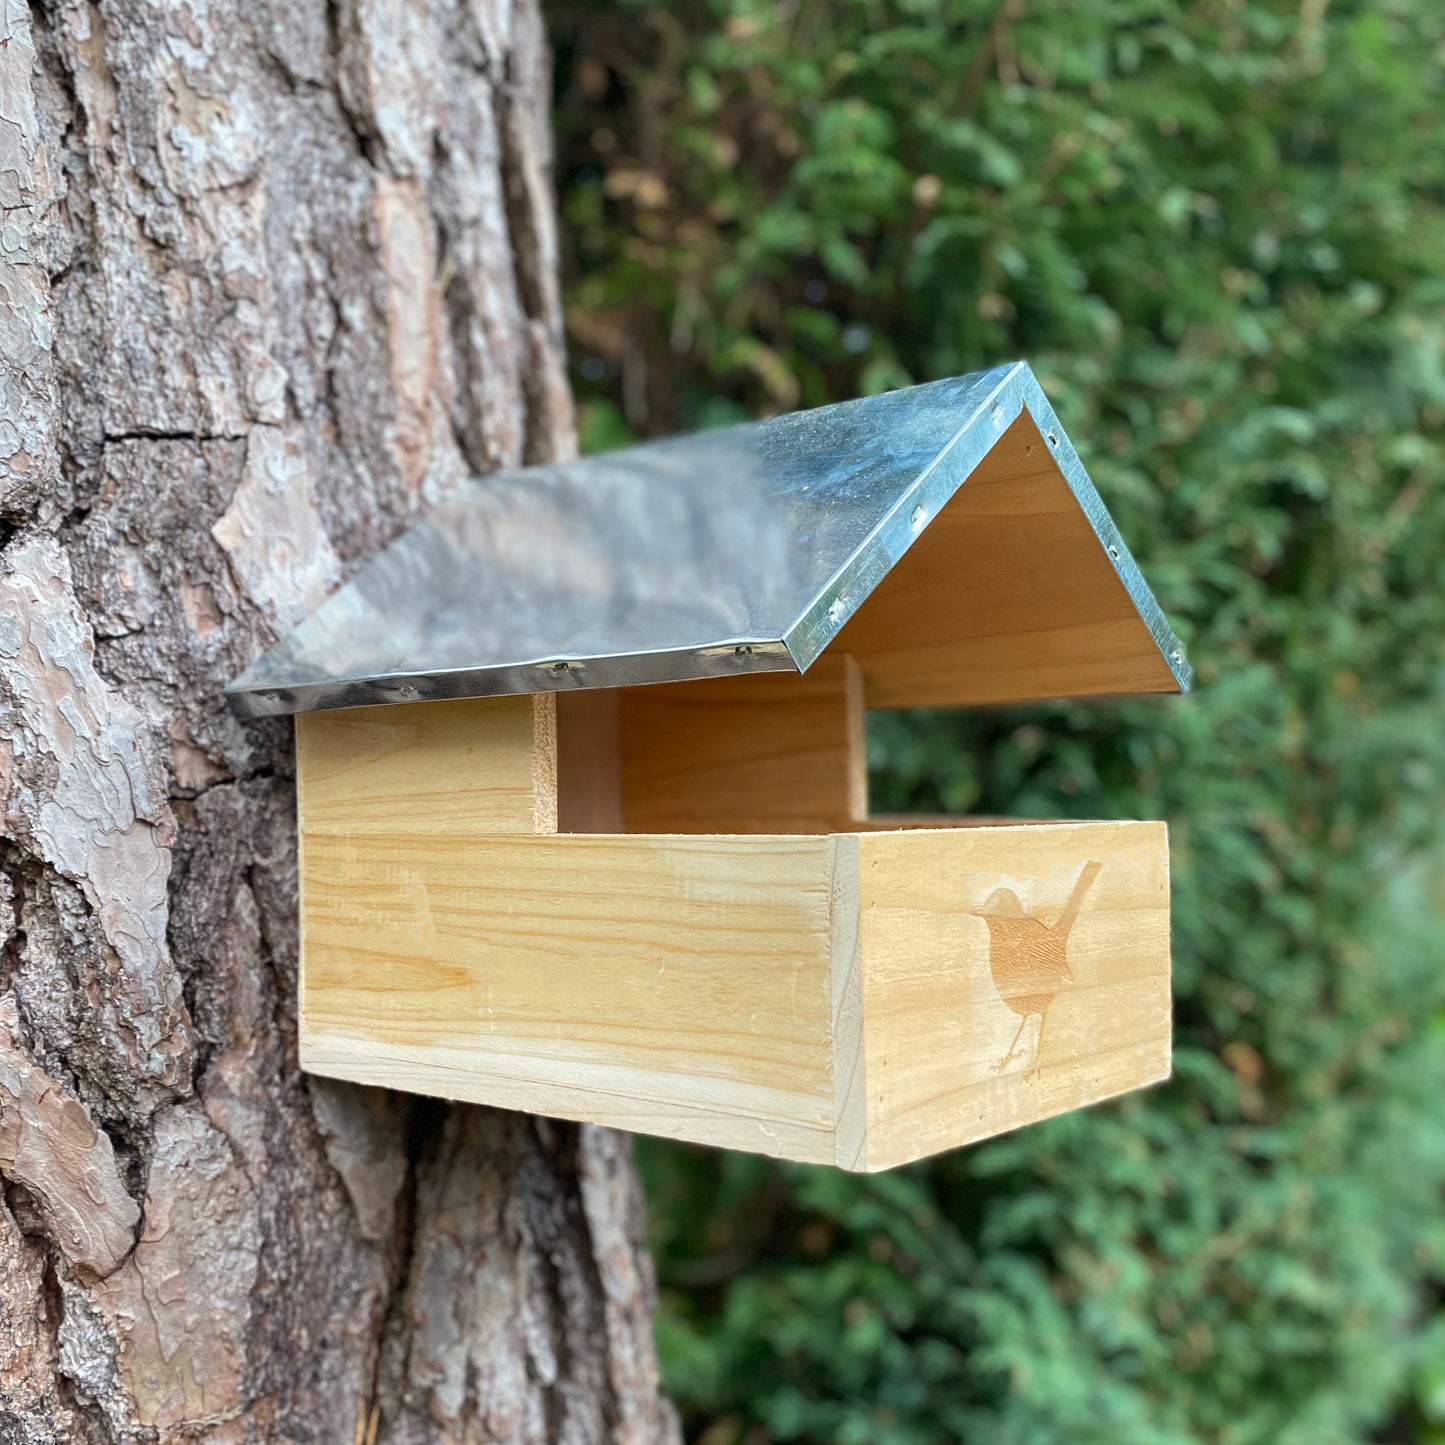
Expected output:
(273, 276)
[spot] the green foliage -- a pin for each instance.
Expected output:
(1217, 231)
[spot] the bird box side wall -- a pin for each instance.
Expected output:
(1003, 975)
(669, 985)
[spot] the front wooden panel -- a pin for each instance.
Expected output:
(987, 1001)
(677, 986)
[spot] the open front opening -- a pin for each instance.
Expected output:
(767, 753)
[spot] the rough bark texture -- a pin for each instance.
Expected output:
(272, 276)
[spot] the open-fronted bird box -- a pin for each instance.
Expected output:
(605, 851)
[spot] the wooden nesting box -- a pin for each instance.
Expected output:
(607, 855)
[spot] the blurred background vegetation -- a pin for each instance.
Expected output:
(1217, 230)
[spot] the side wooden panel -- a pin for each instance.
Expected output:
(1007, 596)
(480, 765)
(1008, 974)
(771, 752)
(677, 986)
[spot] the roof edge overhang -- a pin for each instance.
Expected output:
(543, 674)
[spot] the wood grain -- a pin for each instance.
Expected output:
(677, 986)
(1007, 596)
(772, 752)
(476, 765)
(938, 984)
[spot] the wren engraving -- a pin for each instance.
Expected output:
(1029, 959)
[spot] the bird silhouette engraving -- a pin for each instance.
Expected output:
(1029, 959)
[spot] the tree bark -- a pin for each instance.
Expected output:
(273, 277)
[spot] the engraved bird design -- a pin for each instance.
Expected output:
(1029, 959)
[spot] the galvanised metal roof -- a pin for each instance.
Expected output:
(739, 550)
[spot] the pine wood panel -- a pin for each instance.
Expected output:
(678, 986)
(1007, 596)
(770, 752)
(481, 765)
(970, 1025)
